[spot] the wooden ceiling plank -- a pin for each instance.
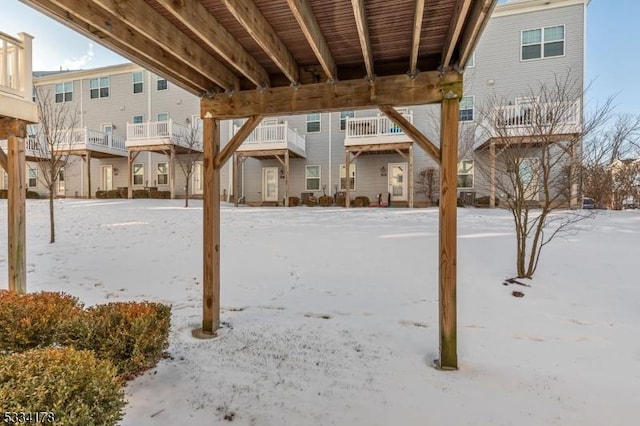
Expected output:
(254, 22)
(98, 25)
(312, 32)
(415, 41)
(397, 90)
(158, 29)
(455, 28)
(195, 16)
(363, 35)
(479, 16)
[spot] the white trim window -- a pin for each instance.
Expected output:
(313, 123)
(162, 116)
(163, 173)
(343, 118)
(466, 108)
(312, 178)
(138, 82)
(99, 87)
(138, 173)
(352, 177)
(32, 177)
(4, 181)
(137, 119)
(161, 84)
(64, 92)
(465, 174)
(542, 43)
(196, 121)
(471, 62)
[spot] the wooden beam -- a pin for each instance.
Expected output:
(131, 157)
(237, 140)
(98, 25)
(455, 28)
(172, 171)
(211, 228)
(254, 22)
(427, 87)
(309, 25)
(410, 130)
(197, 18)
(448, 232)
(236, 165)
(411, 177)
(363, 34)
(415, 39)
(141, 18)
(16, 213)
(3, 159)
(478, 19)
(286, 178)
(347, 186)
(88, 158)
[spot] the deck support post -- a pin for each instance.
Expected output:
(492, 174)
(211, 227)
(448, 230)
(286, 178)
(172, 171)
(235, 179)
(411, 176)
(131, 157)
(347, 185)
(88, 158)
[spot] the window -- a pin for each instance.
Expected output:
(465, 174)
(163, 116)
(343, 118)
(138, 174)
(163, 173)
(312, 178)
(472, 61)
(137, 82)
(99, 88)
(138, 119)
(64, 92)
(161, 83)
(466, 108)
(32, 178)
(352, 177)
(196, 121)
(542, 43)
(313, 123)
(4, 183)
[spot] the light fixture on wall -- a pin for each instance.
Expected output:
(179, 102)
(115, 171)
(383, 171)
(281, 174)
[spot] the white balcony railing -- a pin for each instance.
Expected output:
(273, 136)
(537, 115)
(15, 66)
(77, 139)
(375, 130)
(163, 132)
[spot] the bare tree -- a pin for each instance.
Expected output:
(428, 182)
(192, 140)
(534, 160)
(625, 179)
(53, 138)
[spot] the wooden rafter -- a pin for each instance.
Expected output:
(236, 140)
(427, 87)
(3, 160)
(312, 32)
(254, 22)
(195, 17)
(415, 40)
(99, 25)
(363, 35)
(151, 24)
(455, 28)
(478, 18)
(410, 130)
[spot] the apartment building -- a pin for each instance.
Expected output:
(132, 122)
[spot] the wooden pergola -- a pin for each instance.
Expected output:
(257, 58)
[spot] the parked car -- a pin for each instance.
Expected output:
(588, 203)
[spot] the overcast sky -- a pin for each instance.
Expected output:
(612, 48)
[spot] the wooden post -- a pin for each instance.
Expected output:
(130, 181)
(211, 227)
(172, 171)
(235, 180)
(448, 218)
(16, 209)
(411, 177)
(492, 174)
(347, 186)
(286, 178)
(88, 156)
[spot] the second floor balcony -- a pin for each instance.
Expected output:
(33, 151)
(16, 80)
(533, 119)
(274, 136)
(163, 133)
(375, 130)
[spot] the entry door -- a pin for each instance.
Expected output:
(197, 179)
(398, 181)
(61, 188)
(269, 184)
(529, 169)
(107, 178)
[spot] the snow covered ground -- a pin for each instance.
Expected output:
(331, 315)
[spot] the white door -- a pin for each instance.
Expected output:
(197, 179)
(61, 189)
(397, 181)
(529, 170)
(107, 178)
(269, 184)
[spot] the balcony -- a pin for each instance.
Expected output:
(162, 133)
(32, 149)
(270, 137)
(375, 130)
(98, 142)
(535, 119)
(16, 80)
